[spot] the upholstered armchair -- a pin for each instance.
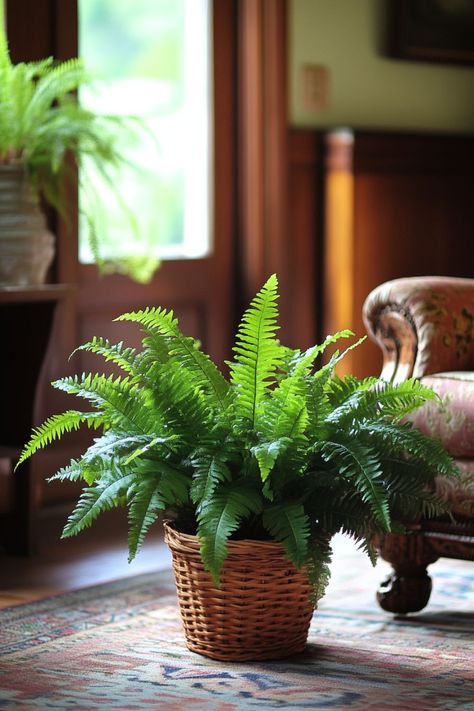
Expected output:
(425, 328)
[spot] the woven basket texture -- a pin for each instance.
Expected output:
(262, 609)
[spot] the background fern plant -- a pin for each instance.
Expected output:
(281, 450)
(41, 122)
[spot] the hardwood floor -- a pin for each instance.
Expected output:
(95, 556)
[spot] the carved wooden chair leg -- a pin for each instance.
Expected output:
(408, 589)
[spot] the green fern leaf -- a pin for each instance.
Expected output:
(114, 444)
(187, 410)
(95, 500)
(258, 353)
(357, 461)
(145, 505)
(73, 472)
(347, 394)
(340, 511)
(205, 373)
(318, 566)
(372, 398)
(55, 426)
(302, 362)
(115, 352)
(289, 524)
(319, 391)
(122, 402)
(209, 471)
(366, 545)
(219, 518)
(53, 86)
(403, 438)
(267, 453)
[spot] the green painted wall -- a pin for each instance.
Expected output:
(366, 88)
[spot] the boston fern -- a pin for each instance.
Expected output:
(281, 450)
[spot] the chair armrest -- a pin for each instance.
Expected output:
(423, 325)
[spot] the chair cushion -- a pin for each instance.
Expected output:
(459, 493)
(451, 417)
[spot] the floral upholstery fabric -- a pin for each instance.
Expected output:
(459, 493)
(451, 417)
(451, 420)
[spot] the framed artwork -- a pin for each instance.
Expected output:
(432, 30)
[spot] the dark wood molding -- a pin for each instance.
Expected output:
(275, 133)
(224, 287)
(263, 184)
(251, 148)
(304, 237)
(30, 29)
(411, 153)
(22, 371)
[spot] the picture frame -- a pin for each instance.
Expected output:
(432, 30)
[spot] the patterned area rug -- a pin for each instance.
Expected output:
(120, 646)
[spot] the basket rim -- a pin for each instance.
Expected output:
(178, 540)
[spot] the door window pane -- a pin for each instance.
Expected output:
(152, 58)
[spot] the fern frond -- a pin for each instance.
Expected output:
(204, 372)
(105, 495)
(408, 505)
(5, 61)
(358, 462)
(258, 353)
(55, 426)
(284, 411)
(115, 352)
(187, 409)
(345, 393)
(53, 86)
(303, 361)
(122, 402)
(72, 472)
(366, 545)
(113, 444)
(380, 398)
(267, 453)
(219, 518)
(174, 478)
(318, 565)
(145, 505)
(403, 438)
(320, 387)
(209, 471)
(341, 511)
(288, 523)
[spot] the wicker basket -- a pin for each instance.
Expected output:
(262, 610)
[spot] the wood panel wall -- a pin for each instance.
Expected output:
(305, 219)
(410, 200)
(366, 207)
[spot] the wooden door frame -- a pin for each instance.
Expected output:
(263, 134)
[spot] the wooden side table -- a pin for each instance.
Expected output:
(26, 320)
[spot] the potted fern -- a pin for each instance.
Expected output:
(41, 123)
(255, 472)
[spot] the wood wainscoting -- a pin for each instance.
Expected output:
(381, 206)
